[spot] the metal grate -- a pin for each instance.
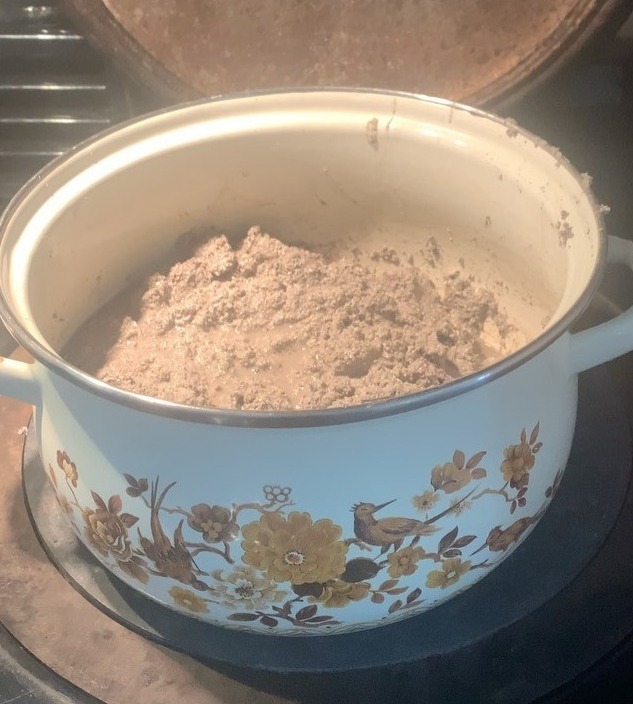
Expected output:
(54, 90)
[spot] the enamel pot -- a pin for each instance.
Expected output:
(315, 522)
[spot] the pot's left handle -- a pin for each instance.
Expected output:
(17, 380)
(609, 340)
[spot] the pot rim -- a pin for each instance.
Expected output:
(317, 417)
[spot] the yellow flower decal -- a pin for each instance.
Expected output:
(107, 533)
(214, 522)
(450, 573)
(454, 475)
(519, 459)
(189, 600)
(425, 501)
(68, 468)
(244, 587)
(338, 593)
(294, 549)
(106, 529)
(403, 562)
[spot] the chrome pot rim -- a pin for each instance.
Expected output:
(315, 417)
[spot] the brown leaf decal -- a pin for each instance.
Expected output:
(269, 621)
(397, 590)
(475, 460)
(306, 612)
(389, 584)
(359, 569)
(377, 598)
(447, 540)
(459, 459)
(478, 473)
(130, 480)
(395, 606)
(523, 436)
(314, 589)
(451, 553)
(137, 487)
(534, 435)
(128, 519)
(115, 504)
(99, 502)
(414, 595)
(464, 541)
(243, 617)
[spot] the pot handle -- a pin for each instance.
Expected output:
(17, 380)
(613, 338)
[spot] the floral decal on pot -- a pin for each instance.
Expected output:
(268, 562)
(294, 549)
(106, 529)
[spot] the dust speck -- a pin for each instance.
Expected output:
(565, 232)
(371, 132)
(512, 128)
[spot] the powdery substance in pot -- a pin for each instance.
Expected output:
(265, 325)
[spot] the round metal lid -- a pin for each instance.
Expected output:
(481, 52)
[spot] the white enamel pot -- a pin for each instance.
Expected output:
(316, 522)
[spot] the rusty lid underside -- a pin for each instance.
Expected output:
(482, 52)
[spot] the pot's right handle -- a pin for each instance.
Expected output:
(613, 338)
(17, 380)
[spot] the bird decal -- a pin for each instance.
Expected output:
(391, 531)
(169, 560)
(499, 540)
